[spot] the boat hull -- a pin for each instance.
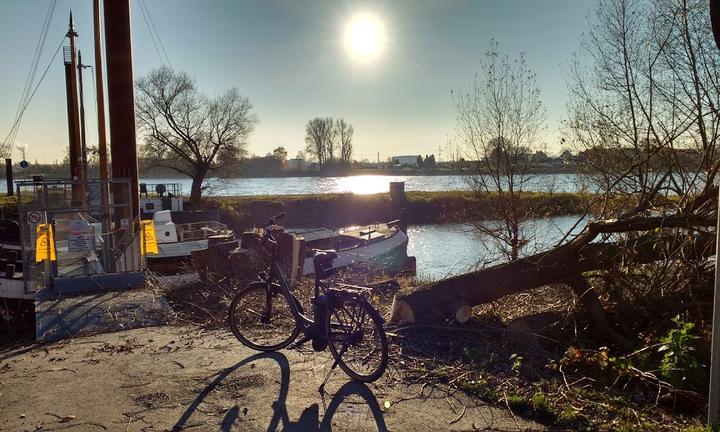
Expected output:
(388, 255)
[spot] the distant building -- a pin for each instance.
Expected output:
(406, 160)
(297, 164)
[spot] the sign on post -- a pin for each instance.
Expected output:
(148, 241)
(34, 217)
(44, 243)
(80, 236)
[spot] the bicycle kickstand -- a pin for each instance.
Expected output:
(332, 368)
(327, 377)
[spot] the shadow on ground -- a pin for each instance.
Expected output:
(309, 420)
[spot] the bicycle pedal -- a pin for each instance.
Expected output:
(299, 343)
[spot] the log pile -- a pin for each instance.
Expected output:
(240, 261)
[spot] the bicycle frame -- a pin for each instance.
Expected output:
(305, 322)
(342, 314)
(309, 327)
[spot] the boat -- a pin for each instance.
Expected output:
(178, 232)
(177, 240)
(382, 246)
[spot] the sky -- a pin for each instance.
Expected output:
(291, 59)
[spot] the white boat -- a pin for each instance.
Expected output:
(176, 241)
(381, 246)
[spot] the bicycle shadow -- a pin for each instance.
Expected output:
(309, 418)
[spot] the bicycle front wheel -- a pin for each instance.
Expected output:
(261, 318)
(357, 340)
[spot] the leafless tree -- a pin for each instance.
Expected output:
(344, 132)
(500, 119)
(188, 132)
(280, 154)
(320, 140)
(643, 114)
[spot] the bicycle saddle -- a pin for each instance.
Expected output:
(323, 260)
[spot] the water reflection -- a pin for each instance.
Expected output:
(361, 184)
(450, 249)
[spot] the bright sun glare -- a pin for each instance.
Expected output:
(364, 37)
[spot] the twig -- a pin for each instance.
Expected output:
(457, 419)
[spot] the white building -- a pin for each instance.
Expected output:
(406, 160)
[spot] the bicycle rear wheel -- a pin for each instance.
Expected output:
(261, 318)
(357, 340)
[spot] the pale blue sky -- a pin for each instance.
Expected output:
(287, 56)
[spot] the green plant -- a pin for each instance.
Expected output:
(517, 402)
(679, 366)
(697, 428)
(541, 408)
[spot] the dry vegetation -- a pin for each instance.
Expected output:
(532, 353)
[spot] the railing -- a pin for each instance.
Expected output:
(200, 230)
(159, 190)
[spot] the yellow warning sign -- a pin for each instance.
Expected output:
(44, 243)
(148, 241)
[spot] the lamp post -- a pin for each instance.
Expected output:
(714, 392)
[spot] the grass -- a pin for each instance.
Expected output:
(311, 210)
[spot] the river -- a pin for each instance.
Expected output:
(450, 249)
(360, 184)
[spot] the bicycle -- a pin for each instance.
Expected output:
(266, 316)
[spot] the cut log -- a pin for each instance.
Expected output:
(562, 265)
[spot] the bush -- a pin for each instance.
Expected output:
(679, 366)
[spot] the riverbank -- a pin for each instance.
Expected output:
(337, 210)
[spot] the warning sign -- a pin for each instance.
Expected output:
(44, 243)
(80, 237)
(148, 241)
(34, 217)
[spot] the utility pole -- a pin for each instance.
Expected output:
(714, 392)
(108, 262)
(83, 136)
(76, 171)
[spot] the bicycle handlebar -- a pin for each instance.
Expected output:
(266, 236)
(275, 218)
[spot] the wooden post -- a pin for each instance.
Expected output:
(71, 84)
(9, 177)
(713, 417)
(298, 260)
(121, 106)
(398, 202)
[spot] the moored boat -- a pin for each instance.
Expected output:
(382, 246)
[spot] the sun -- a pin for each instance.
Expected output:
(364, 37)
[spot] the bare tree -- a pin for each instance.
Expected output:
(320, 140)
(344, 132)
(643, 113)
(500, 118)
(188, 132)
(280, 154)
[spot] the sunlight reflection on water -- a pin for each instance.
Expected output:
(450, 249)
(361, 184)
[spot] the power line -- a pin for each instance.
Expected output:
(157, 35)
(26, 96)
(16, 125)
(40, 44)
(154, 35)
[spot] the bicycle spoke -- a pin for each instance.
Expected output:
(355, 341)
(262, 321)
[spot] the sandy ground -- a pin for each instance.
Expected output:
(181, 378)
